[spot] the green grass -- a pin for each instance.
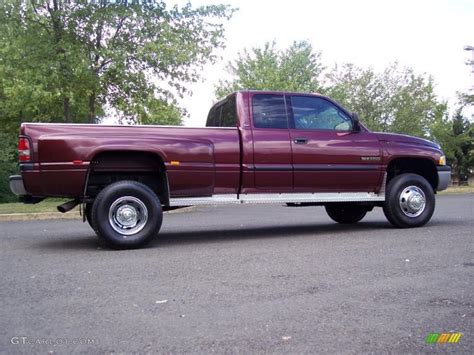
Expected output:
(48, 205)
(458, 190)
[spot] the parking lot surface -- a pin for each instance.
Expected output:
(242, 279)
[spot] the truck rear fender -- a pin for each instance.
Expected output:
(109, 166)
(146, 161)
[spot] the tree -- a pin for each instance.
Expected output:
(463, 132)
(413, 103)
(456, 137)
(77, 57)
(395, 100)
(441, 131)
(360, 90)
(71, 61)
(297, 68)
(8, 165)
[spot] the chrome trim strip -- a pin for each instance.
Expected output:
(315, 167)
(279, 198)
(336, 167)
(65, 163)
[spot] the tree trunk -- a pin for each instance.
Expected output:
(91, 113)
(67, 114)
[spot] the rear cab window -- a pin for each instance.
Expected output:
(223, 114)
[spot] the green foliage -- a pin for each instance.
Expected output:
(7, 169)
(441, 131)
(456, 136)
(295, 69)
(361, 90)
(40, 69)
(68, 60)
(463, 132)
(396, 100)
(8, 165)
(159, 112)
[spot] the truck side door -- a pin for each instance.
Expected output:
(271, 143)
(328, 155)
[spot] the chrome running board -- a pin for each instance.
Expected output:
(319, 197)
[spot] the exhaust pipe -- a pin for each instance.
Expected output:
(67, 206)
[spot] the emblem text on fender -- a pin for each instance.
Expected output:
(370, 158)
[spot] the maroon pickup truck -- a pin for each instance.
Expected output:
(257, 147)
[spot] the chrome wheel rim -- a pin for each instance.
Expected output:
(128, 215)
(412, 201)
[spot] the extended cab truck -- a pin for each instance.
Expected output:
(257, 147)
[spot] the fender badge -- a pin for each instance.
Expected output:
(370, 158)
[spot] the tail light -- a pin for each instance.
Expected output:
(23, 149)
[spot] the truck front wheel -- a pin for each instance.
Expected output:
(409, 201)
(346, 213)
(127, 214)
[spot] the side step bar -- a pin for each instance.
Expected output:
(280, 198)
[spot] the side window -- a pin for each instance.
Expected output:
(228, 113)
(317, 113)
(269, 111)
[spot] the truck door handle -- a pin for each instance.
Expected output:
(300, 141)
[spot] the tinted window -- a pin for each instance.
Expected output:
(269, 111)
(317, 113)
(213, 117)
(228, 113)
(223, 114)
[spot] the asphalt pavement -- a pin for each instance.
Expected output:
(242, 279)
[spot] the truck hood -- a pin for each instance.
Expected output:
(402, 138)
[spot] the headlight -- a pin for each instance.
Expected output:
(442, 160)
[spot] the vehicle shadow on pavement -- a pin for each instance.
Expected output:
(243, 233)
(172, 238)
(80, 242)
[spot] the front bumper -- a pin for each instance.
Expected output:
(444, 177)
(17, 186)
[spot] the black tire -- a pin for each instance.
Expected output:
(346, 213)
(127, 214)
(88, 213)
(404, 198)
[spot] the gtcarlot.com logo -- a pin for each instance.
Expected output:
(26, 340)
(441, 338)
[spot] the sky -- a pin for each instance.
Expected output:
(428, 36)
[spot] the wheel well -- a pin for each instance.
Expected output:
(420, 166)
(109, 167)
